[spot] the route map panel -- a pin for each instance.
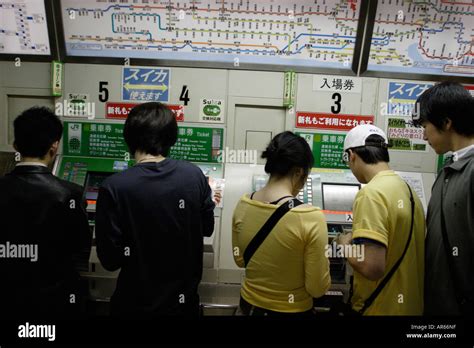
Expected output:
(316, 33)
(424, 37)
(23, 27)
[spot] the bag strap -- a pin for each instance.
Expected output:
(389, 275)
(460, 298)
(268, 227)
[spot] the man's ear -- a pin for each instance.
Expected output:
(54, 146)
(448, 124)
(352, 156)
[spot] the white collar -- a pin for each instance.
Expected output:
(31, 164)
(460, 153)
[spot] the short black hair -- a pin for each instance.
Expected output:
(286, 152)
(446, 100)
(373, 154)
(35, 130)
(151, 128)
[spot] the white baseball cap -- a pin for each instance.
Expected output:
(357, 136)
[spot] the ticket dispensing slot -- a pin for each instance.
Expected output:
(337, 199)
(213, 174)
(102, 282)
(92, 185)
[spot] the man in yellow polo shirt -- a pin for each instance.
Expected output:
(382, 221)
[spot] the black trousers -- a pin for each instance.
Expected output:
(123, 309)
(251, 310)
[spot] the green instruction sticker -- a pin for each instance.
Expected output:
(85, 139)
(327, 149)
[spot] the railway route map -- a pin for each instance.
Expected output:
(424, 37)
(23, 27)
(316, 33)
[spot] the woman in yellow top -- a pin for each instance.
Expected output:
(289, 268)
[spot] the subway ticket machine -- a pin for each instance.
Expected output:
(90, 173)
(7, 162)
(94, 151)
(340, 188)
(334, 192)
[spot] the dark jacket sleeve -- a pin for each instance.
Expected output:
(108, 234)
(207, 209)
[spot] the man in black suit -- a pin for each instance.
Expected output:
(43, 227)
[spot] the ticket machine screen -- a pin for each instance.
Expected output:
(339, 197)
(93, 182)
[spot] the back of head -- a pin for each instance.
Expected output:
(151, 128)
(446, 100)
(373, 152)
(35, 130)
(287, 152)
(369, 142)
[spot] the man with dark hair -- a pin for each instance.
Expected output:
(389, 225)
(44, 232)
(151, 220)
(446, 112)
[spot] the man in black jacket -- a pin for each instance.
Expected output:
(44, 228)
(151, 220)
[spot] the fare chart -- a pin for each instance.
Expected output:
(424, 37)
(317, 33)
(23, 27)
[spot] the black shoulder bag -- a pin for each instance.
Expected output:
(268, 227)
(389, 275)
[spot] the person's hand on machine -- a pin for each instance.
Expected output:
(344, 238)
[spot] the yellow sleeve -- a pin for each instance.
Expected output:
(237, 251)
(316, 264)
(370, 219)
